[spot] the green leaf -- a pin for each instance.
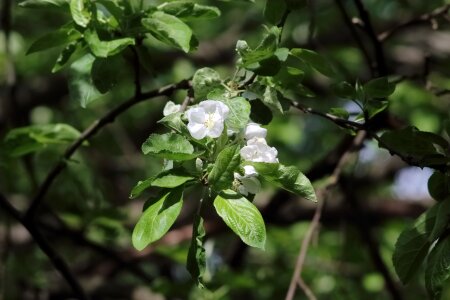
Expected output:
(168, 180)
(379, 88)
(221, 176)
(174, 121)
(170, 30)
(170, 146)
(239, 114)
(25, 140)
(413, 244)
(242, 217)
(189, 11)
(260, 113)
(437, 270)
(442, 219)
(417, 145)
(81, 13)
(315, 60)
(157, 219)
(265, 49)
(344, 90)
(81, 87)
(271, 100)
(66, 55)
(105, 72)
(274, 11)
(54, 39)
(196, 259)
(339, 112)
(106, 48)
(43, 3)
(140, 187)
(205, 80)
(439, 186)
(289, 178)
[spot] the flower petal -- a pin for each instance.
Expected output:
(196, 115)
(216, 130)
(254, 130)
(198, 131)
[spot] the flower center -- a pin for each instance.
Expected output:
(209, 123)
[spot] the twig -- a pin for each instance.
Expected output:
(338, 121)
(354, 33)
(377, 45)
(425, 18)
(334, 178)
(56, 260)
(92, 130)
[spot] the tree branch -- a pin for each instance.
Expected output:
(354, 33)
(92, 130)
(377, 45)
(56, 260)
(425, 18)
(322, 193)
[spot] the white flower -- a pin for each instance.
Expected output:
(207, 119)
(248, 183)
(250, 171)
(257, 150)
(171, 108)
(254, 130)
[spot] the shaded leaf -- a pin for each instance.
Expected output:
(379, 88)
(196, 259)
(413, 244)
(221, 176)
(106, 48)
(53, 39)
(170, 146)
(205, 80)
(25, 140)
(437, 270)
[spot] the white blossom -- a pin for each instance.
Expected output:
(254, 130)
(247, 183)
(171, 108)
(207, 119)
(257, 150)
(198, 164)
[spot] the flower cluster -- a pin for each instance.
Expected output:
(257, 149)
(207, 119)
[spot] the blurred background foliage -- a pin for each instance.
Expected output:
(92, 196)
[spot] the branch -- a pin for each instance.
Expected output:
(365, 231)
(334, 178)
(347, 124)
(354, 33)
(56, 260)
(425, 18)
(377, 45)
(92, 130)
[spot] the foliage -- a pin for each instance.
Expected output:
(231, 146)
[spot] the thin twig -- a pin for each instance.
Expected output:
(92, 130)
(323, 192)
(425, 18)
(354, 33)
(56, 260)
(338, 121)
(381, 65)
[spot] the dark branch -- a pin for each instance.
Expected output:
(425, 18)
(56, 260)
(381, 65)
(354, 33)
(92, 130)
